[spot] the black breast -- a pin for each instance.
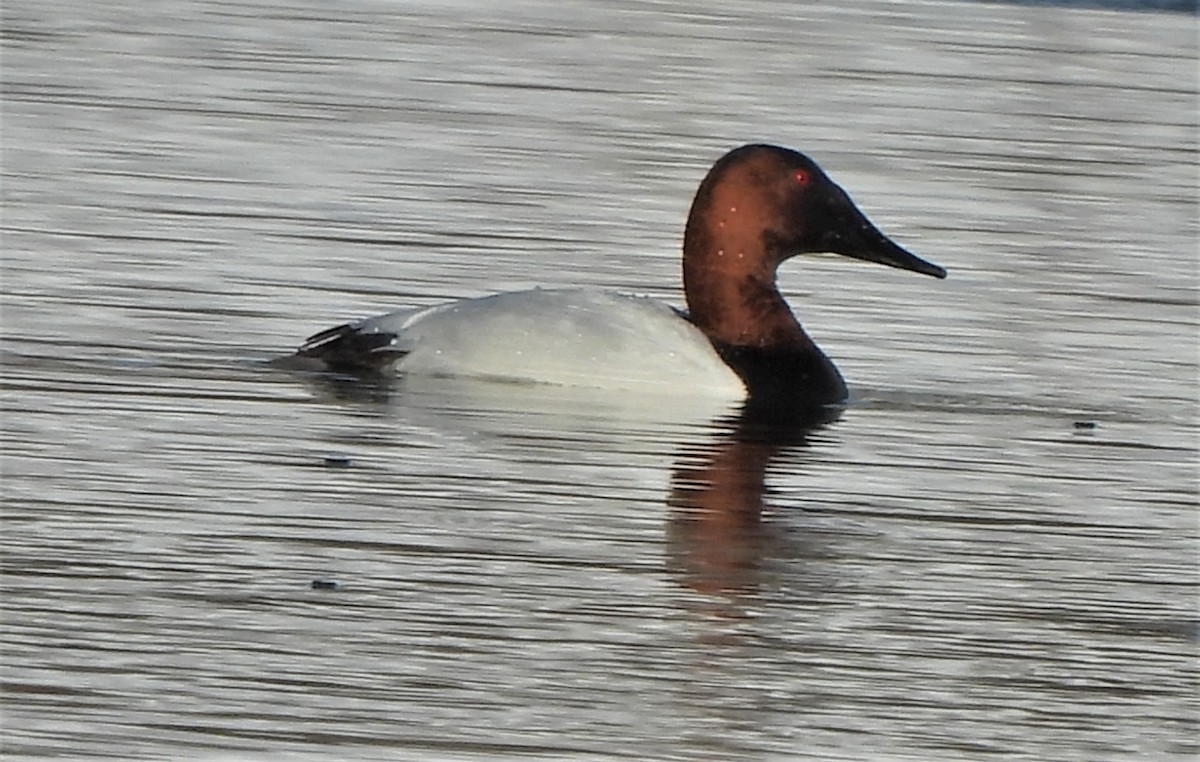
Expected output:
(792, 375)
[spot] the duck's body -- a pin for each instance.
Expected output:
(570, 337)
(758, 206)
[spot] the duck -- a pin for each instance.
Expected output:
(758, 206)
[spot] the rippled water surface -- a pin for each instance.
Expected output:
(990, 555)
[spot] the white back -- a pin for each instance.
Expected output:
(571, 337)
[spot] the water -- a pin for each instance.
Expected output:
(992, 554)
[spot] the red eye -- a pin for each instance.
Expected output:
(802, 177)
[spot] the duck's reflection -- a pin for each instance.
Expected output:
(367, 389)
(717, 538)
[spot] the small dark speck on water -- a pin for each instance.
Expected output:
(325, 584)
(343, 461)
(1086, 425)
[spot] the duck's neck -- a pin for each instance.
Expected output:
(740, 308)
(729, 280)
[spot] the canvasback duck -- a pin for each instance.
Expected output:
(758, 206)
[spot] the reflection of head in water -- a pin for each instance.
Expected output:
(716, 534)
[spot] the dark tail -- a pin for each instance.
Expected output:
(348, 349)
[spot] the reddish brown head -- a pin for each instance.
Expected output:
(758, 206)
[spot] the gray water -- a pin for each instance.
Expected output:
(991, 555)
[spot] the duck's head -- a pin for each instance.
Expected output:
(762, 204)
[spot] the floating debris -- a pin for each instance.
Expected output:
(1086, 425)
(338, 461)
(324, 584)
